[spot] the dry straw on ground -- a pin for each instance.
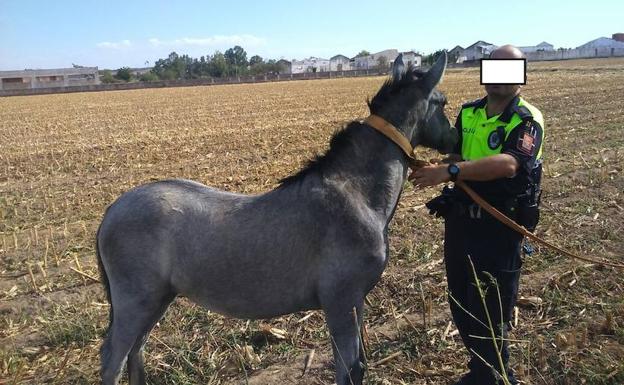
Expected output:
(63, 158)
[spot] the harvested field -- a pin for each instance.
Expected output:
(64, 158)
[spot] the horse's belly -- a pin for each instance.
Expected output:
(246, 295)
(241, 306)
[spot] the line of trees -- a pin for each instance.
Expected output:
(233, 62)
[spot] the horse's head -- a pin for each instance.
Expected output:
(410, 101)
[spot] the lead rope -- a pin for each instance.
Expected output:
(391, 132)
(509, 222)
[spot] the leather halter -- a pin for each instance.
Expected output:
(392, 133)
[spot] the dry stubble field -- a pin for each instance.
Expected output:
(64, 158)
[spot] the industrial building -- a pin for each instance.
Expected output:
(46, 78)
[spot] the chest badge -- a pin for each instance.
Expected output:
(496, 138)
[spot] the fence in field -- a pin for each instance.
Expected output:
(194, 82)
(575, 53)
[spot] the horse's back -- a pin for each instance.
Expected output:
(161, 201)
(142, 225)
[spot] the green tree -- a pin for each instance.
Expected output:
(217, 67)
(169, 74)
(362, 53)
(202, 66)
(184, 67)
(272, 66)
(163, 65)
(174, 67)
(255, 60)
(107, 77)
(148, 77)
(124, 74)
(257, 65)
(236, 58)
(232, 62)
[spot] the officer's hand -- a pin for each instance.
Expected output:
(430, 175)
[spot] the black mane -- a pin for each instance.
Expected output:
(341, 139)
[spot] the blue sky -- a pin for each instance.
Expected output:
(111, 34)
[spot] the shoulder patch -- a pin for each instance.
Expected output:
(527, 138)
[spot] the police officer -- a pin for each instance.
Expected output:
(499, 156)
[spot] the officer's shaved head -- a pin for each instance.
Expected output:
(507, 51)
(503, 91)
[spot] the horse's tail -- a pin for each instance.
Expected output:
(103, 276)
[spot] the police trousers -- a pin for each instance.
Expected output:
(495, 251)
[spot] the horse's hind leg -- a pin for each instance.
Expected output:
(136, 370)
(133, 318)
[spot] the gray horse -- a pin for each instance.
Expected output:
(317, 241)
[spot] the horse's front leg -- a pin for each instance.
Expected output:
(344, 320)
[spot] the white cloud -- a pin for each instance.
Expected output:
(211, 41)
(115, 45)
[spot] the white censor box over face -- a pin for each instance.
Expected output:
(503, 71)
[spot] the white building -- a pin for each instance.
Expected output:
(543, 46)
(311, 64)
(411, 58)
(60, 77)
(339, 63)
(385, 58)
(456, 55)
(478, 50)
(602, 42)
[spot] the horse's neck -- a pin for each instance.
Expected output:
(376, 173)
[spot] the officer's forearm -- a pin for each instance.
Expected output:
(488, 168)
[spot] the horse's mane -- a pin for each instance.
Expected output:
(340, 140)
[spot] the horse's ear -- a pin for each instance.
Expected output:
(398, 68)
(434, 75)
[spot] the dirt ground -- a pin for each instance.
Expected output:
(64, 158)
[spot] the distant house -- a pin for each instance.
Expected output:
(411, 58)
(339, 63)
(478, 50)
(456, 55)
(297, 66)
(311, 64)
(601, 47)
(284, 66)
(384, 58)
(59, 77)
(543, 46)
(602, 42)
